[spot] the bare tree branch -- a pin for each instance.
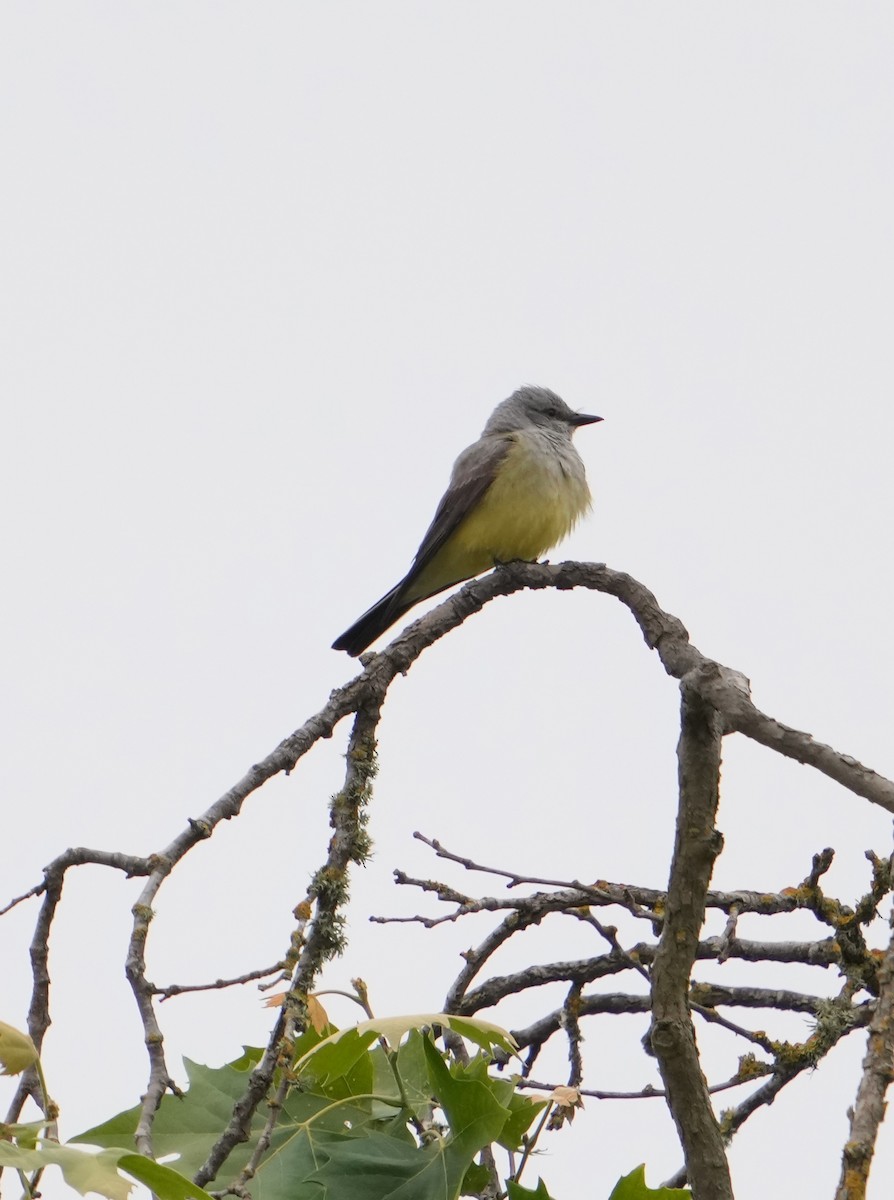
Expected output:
(717, 700)
(672, 1035)
(39, 1009)
(878, 1070)
(834, 1017)
(326, 897)
(724, 689)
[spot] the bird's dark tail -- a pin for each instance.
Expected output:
(374, 622)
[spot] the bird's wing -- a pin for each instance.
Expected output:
(473, 473)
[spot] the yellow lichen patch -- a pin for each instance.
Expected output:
(751, 1067)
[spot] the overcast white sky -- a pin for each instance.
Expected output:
(265, 270)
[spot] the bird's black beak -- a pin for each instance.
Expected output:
(577, 419)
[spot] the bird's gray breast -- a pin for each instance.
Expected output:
(555, 452)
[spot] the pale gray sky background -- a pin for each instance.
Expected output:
(265, 270)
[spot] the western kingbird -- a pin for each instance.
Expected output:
(513, 494)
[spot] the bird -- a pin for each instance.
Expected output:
(513, 494)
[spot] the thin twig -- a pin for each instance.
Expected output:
(649, 1092)
(181, 989)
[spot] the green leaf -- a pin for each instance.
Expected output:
(633, 1187)
(502, 1086)
(335, 1136)
(252, 1055)
(82, 1171)
(475, 1180)
(378, 1166)
(87, 1172)
(17, 1051)
(382, 1168)
(475, 1115)
(338, 1056)
(515, 1191)
(413, 1072)
(166, 1183)
(189, 1125)
(522, 1111)
(482, 1033)
(248, 1059)
(26, 1136)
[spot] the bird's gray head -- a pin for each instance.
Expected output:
(539, 408)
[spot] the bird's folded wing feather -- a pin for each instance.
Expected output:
(473, 473)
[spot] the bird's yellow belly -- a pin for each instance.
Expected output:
(531, 505)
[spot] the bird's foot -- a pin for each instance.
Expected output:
(500, 563)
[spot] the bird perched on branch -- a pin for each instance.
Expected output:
(513, 494)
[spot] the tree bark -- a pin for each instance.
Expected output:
(696, 847)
